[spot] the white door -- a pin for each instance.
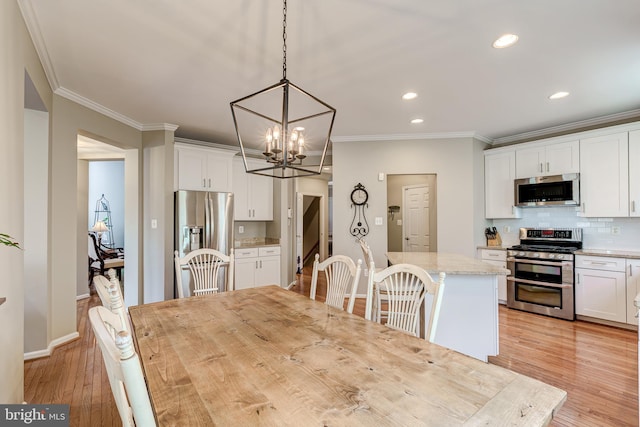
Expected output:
(415, 219)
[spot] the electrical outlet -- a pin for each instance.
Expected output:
(240, 229)
(615, 230)
(506, 229)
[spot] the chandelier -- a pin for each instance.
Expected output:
(285, 127)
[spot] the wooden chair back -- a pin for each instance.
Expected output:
(404, 287)
(205, 266)
(123, 368)
(342, 276)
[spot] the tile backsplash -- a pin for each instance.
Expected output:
(598, 233)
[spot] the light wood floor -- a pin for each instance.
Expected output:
(595, 364)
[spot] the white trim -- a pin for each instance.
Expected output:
(83, 296)
(30, 20)
(574, 126)
(411, 136)
(92, 105)
(206, 144)
(160, 126)
(53, 344)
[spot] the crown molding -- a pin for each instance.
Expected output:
(29, 16)
(411, 136)
(568, 127)
(160, 126)
(206, 144)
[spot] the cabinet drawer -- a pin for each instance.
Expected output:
(600, 263)
(269, 250)
(493, 254)
(246, 253)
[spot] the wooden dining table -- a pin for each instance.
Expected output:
(272, 357)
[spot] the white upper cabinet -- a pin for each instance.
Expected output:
(634, 173)
(547, 159)
(204, 169)
(253, 194)
(499, 173)
(604, 175)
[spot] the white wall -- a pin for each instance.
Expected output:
(456, 163)
(36, 213)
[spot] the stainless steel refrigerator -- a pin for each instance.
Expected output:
(203, 220)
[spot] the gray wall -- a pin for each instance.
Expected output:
(458, 164)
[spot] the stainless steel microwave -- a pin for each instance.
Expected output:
(553, 190)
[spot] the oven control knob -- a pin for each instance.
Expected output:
(520, 253)
(536, 255)
(552, 256)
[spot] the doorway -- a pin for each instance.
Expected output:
(310, 219)
(412, 213)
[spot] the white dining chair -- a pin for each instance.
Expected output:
(342, 277)
(123, 368)
(405, 287)
(205, 266)
(111, 296)
(379, 312)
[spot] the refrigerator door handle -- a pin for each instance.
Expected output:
(207, 222)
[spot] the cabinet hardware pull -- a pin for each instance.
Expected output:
(541, 170)
(633, 206)
(547, 166)
(204, 182)
(256, 264)
(260, 263)
(209, 182)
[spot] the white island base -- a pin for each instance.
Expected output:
(469, 313)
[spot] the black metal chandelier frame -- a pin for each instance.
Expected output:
(284, 159)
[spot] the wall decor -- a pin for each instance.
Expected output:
(359, 225)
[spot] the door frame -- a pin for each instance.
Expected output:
(300, 226)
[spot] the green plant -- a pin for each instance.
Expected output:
(7, 240)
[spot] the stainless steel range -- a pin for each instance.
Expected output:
(542, 277)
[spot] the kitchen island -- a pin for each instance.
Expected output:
(469, 312)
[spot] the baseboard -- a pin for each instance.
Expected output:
(83, 296)
(53, 344)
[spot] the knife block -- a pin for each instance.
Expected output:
(496, 241)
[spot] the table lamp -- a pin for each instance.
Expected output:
(99, 227)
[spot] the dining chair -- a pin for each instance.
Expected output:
(97, 263)
(405, 287)
(379, 312)
(205, 266)
(123, 368)
(342, 277)
(111, 296)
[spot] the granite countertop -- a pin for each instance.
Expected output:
(435, 262)
(498, 248)
(255, 242)
(609, 253)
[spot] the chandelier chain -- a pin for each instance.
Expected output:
(284, 40)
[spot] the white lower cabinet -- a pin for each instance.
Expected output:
(497, 257)
(633, 289)
(258, 266)
(601, 288)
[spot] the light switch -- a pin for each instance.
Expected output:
(381, 176)
(240, 229)
(378, 220)
(154, 223)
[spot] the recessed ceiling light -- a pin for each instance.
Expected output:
(409, 95)
(505, 40)
(559, 95)
(417, 121)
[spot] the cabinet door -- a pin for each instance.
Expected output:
(245, 272)
(218, 172)
(261, 197)
(268, 272)
(633, 289)
(562, 158)
(241, 210)
(634, 173)
(529, 162)
(499, 173)
(192, 166)
(604, 176)
(601, 294)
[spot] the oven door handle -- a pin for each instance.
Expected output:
(535, 283)
(539, 262)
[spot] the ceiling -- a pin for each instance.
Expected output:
(148, 62)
